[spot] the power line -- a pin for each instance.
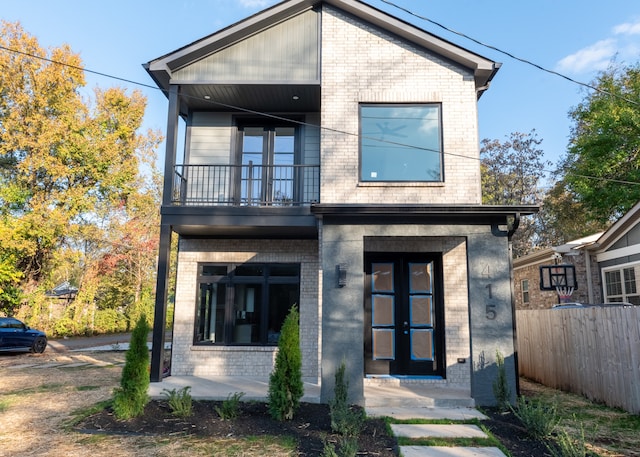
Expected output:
(330, 129)
(501, 51)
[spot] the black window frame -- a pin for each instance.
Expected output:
(363, 136)
(230, 281)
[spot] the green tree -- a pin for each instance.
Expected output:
(602, 165)
(71, 188)
(513, 172)
(285, 383)
(564, 218)
(131, 397)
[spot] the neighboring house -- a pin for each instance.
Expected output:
(607, 267)
(356, 196)
(617, 253)
(526, 272)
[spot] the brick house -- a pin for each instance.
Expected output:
(526, 272)
(331, 161)
(607, 267)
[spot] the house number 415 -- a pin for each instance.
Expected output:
(490, 309)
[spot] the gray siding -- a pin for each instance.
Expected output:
(287, 51)
(210, 139)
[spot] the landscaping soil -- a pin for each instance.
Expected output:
(311, 428)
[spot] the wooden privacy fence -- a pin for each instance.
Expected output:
(593, 351)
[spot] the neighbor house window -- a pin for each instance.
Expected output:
(620, 284)
(244, 304)
(525, 291)
(401, 143)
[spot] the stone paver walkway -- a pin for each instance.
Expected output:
(418, 430)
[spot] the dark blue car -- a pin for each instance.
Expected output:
(16, 336)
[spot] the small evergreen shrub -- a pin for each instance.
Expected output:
(540, 420)
(348, 448)
(500, 386)
(131, 397)
(285, 383)
(329, 450)
(346, 421)
(180, 401)
(230, 408)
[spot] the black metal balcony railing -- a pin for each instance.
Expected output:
(246, 185)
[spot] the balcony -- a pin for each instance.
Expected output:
(247, 185)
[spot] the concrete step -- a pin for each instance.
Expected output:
(425, 402)
(416, 431)
(440, 451)
(432, 413)
(398, 393)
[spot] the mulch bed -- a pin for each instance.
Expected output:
(310, 427)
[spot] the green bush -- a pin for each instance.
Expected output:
(540, 420)
(348, 448)
(180, 402)
(500, 386)
(345, 420)
(131, 397)
(285, 383)
(230, 408)
(566, 446)
(107, 321)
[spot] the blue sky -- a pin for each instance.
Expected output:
(577, 38)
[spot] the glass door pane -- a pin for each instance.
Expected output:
(248, 310)
(253, 148)
(283, 159)
(211, 313)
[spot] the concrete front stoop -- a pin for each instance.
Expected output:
(411, 393)
(416, 431)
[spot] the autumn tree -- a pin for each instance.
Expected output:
(71, 188)
(513, 172)
(563, 218)
(602, 165)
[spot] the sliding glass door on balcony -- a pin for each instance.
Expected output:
(265, 170)
(267, 157)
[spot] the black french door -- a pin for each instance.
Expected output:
(404, 323)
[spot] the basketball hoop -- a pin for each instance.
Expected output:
(564, 293)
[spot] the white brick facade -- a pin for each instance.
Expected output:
(361, 64)
(191, 360)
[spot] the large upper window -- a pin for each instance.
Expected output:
(401, 143)
(244, 304)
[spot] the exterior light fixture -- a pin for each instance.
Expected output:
(207, 97)
(341, 274)
(295, 97)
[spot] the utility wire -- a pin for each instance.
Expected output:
(334, 130)
(501, 51)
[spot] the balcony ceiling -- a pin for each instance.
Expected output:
(276, 97)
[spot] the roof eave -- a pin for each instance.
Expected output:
(161, 68)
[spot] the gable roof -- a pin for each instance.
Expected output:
(620, 228)
(162, 68)
(548, 255)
